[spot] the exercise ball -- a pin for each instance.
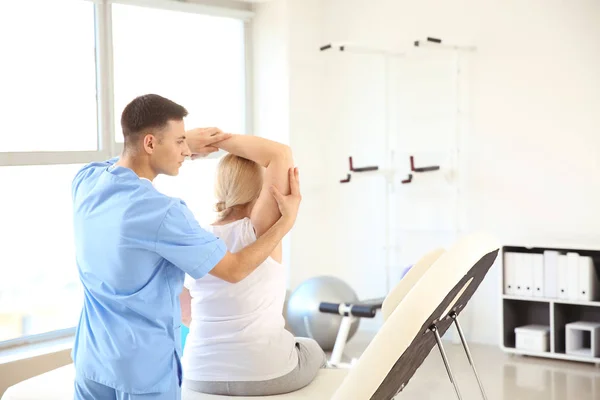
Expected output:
(304, 318)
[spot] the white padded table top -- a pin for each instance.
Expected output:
(53, 385)
(58, 385)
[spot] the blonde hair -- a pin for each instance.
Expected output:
(238, 183)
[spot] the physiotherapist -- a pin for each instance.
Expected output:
(134, 246)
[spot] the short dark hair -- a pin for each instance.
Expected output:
(148, 111)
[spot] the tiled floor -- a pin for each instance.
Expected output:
(505, 377)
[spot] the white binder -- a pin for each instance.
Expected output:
(563, 277)
(510, 277)
(573, 275)
(551, 274)
(588, 281)
(519, 275)
(538, 275)
(526, 274)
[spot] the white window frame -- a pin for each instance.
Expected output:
(107, 145)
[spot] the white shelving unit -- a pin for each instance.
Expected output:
(518, 310)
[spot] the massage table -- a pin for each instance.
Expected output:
(416, 312)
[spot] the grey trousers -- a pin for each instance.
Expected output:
(310, 359)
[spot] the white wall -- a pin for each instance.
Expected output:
(270, 71)
(528, 153)
(270, 79)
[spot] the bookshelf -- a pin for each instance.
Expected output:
(520, 310)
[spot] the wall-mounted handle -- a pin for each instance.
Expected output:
(361, 169)
(422, 169)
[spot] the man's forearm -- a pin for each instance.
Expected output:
(249, 258)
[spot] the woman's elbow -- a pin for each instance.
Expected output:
(285, 153)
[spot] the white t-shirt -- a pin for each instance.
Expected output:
(237, 331)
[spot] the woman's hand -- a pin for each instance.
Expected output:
(202, 141)
(289, 205)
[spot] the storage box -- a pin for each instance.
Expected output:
(583, 339)
(535, 338)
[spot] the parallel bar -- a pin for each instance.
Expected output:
(51, 157)
(361, 49)
(443, 46)
(469, 357)
(445, 359)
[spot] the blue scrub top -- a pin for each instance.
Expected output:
(133, 248)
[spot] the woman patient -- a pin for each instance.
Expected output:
(237, 344)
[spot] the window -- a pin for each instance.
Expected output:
(195, 185)
(54, 79)
(48, 76)
(195, 60)
(39, 286)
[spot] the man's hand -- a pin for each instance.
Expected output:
(289, 205)
(201, 141)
